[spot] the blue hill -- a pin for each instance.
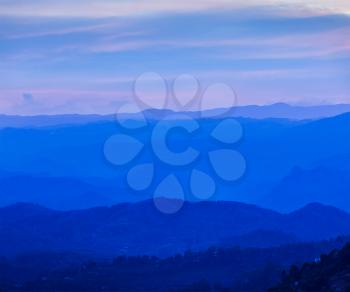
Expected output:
(272, 148)
(140, 228)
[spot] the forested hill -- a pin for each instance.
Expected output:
(140, 229)
(328, 273)
(216, 269)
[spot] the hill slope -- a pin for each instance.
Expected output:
(324, 185)
(141, 229)
(329, 273)
(272, 148)
(61, 193)
(216, 269)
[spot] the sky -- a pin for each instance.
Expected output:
(83, 56)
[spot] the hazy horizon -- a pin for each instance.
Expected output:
(113, 111)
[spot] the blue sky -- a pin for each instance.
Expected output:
(83, 56)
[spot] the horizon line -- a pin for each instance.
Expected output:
(290, 105)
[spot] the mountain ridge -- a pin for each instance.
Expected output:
(277, 110)
(139, 228)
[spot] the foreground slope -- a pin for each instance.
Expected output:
(328, 273)
(215, 269)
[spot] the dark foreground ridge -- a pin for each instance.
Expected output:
(327, 273)
(216, 269)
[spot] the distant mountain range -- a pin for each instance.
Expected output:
(61, 193)
(72, 202)
(140, 228)
(278, 110)
(325, 185)
(285, 111)
(289, 164)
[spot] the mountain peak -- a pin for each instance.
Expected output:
(319, 209)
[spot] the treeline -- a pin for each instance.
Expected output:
(327, 273)
(216, 269)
